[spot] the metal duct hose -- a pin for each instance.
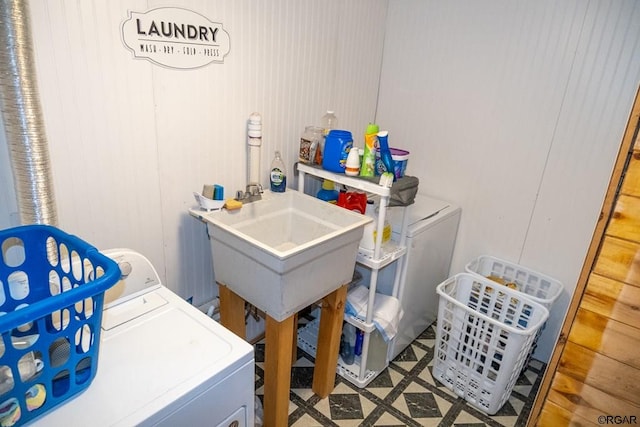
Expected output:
(24, 127)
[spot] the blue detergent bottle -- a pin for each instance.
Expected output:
(336, 150)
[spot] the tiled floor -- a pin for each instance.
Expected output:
(405, 394)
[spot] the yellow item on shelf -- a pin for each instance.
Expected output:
(232, 204)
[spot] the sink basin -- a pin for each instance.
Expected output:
(285, 251)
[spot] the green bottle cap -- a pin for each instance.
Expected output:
(372, 128)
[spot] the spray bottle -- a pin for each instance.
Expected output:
(385, 152)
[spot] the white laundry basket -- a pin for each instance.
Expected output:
(539, 287)
(484, 335)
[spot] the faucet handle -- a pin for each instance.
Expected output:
(254, 189)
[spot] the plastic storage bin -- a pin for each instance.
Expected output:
(52, 289)
(484, 334)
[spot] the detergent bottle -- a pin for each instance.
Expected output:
(367, 168)
(328, 192)
(336, 150)
(278, 174)
(385, 153)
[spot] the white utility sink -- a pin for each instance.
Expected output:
(285, 251)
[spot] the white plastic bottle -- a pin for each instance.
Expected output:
(368, 241)
(329, 121)
(353, 163)
(278, 174)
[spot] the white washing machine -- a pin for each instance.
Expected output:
(161, 362)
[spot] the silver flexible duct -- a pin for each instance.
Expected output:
(24, 127)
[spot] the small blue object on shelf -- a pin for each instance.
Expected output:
(218, 192)
(52, 288)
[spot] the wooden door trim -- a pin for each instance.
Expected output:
(598, 234)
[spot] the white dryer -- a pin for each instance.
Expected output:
(161, 361)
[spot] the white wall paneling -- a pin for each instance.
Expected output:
(514, 110)
(98, 107)
(130, 141)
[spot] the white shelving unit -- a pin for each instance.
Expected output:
(383, 255)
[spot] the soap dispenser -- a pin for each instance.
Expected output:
(278, 174)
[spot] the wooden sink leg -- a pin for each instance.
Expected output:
(277, 370)
(232, 311)
(324, 372)
(294, 341)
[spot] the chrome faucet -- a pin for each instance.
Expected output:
(252, 193)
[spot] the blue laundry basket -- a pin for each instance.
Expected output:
(52, 288)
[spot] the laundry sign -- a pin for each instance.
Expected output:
(175, 38)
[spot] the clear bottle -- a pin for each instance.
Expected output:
(329, 121)
(278, 174)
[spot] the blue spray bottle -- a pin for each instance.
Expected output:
(385, 153)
